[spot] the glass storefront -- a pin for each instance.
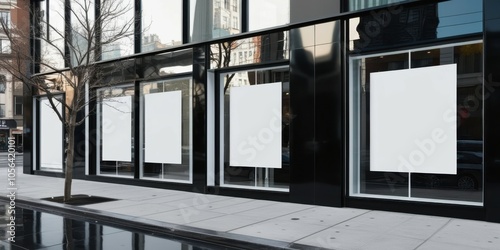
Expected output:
(255, 129)
(166, 133)
(115, 125)
(417, 124)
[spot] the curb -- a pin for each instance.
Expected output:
(165, 229)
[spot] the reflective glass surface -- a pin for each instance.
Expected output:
(211, 19)
(161, 24)
(165, 169)
(165, 64)
(258, 49)
(464, 186)
(260, 177)
(117, 29)
(359, 5)
(41, 230)
(52, 35)
(397, 25)
(115, 121)
(264, 14)
(82, 21)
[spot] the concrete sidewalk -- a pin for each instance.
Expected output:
(279, 225)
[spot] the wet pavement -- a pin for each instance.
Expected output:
(231, 221)
(41, 230)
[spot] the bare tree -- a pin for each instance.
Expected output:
(70, 40)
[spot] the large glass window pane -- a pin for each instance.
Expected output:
(115, 137)
(463, 124)
(167, 134)
(214, 18)
(264, 14)
(468, 179)
(369, 182)
(255, 128)
(83, 26)
(52, 35)
(117, 38)
(397, 25)
(161, 24)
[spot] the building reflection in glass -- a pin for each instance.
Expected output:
(37, 230)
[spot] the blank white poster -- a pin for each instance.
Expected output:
(51, 136)
(255, 126)
(413, 120)
(117, 129)
(163, 127)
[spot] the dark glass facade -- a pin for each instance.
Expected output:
(322, 77)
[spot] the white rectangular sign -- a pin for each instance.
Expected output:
(51, 136)
(413, 120)
(163, 127)
(117, 129)
(255, 126)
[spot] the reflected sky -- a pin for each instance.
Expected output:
(40, 230)
(459, 17)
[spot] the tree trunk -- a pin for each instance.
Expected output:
(69, 159)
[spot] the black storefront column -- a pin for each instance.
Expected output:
(329, 162)
(302, 143)
(316, 104)
(200, 61)
(492, 109)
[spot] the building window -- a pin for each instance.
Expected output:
(254, 129)
(235, 22)
(3, 83)
(18, 105)
(225, 23)
(118, 42)
(264, 14)
(211, 19)
(166, 134)
(5, 18)
(235, 5)
(115, 137)
(2, 110)
(5, 46)
(160, 29)
(417, 125)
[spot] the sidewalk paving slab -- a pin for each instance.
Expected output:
(261, 224)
